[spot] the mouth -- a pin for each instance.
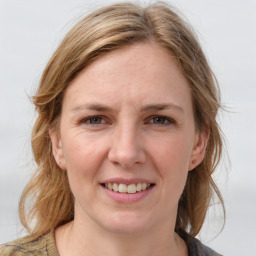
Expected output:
(127, 188)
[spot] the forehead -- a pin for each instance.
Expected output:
(139, 73)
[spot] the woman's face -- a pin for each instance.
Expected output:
(127, 140)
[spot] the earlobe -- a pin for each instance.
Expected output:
(57, 148)
(199, 149)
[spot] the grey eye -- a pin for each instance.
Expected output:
(159, 120)
(95, 120)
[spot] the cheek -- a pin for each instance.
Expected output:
(172, 159)
(173, 151)
(83, 155)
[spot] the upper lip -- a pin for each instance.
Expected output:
(127, 181)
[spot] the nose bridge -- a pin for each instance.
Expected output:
(126, 148)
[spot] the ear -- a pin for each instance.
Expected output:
(199, 149)
(57, 149)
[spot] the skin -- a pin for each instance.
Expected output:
(112, 126)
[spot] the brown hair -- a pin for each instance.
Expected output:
(47, 201)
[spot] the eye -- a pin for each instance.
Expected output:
(161, 120)
(93, 120)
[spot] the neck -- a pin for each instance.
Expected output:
(73, 239)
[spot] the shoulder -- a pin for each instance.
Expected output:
(197, 248)
(29, 246)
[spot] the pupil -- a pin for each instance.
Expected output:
(159, 120)
(96, 120)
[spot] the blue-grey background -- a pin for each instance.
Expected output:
(30, 31)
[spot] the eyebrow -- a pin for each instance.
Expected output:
(93, 106)
(162, 107)
(151, 107)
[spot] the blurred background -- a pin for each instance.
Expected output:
(31, 30)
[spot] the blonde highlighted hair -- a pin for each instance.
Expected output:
(47, 201)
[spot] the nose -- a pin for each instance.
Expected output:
(127, 147)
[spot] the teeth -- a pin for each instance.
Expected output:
(122, 188)
(143, 186)
(130, 189)
(115, 187)
(139, 187)
(109, 185)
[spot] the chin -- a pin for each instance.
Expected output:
(128, 223)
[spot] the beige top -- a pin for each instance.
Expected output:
(45, 246)
(26, 246)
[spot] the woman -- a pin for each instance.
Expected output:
(126, 140)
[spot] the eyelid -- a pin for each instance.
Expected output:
(170, 120)
(167, 120)
(86, 120)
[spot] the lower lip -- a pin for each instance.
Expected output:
(128, 198)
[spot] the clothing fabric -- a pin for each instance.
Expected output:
(45, 246)
(196, 248)
(26, 246)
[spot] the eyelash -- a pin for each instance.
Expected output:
(89, 120)
(166, 120)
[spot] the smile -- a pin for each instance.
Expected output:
(127, 189)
